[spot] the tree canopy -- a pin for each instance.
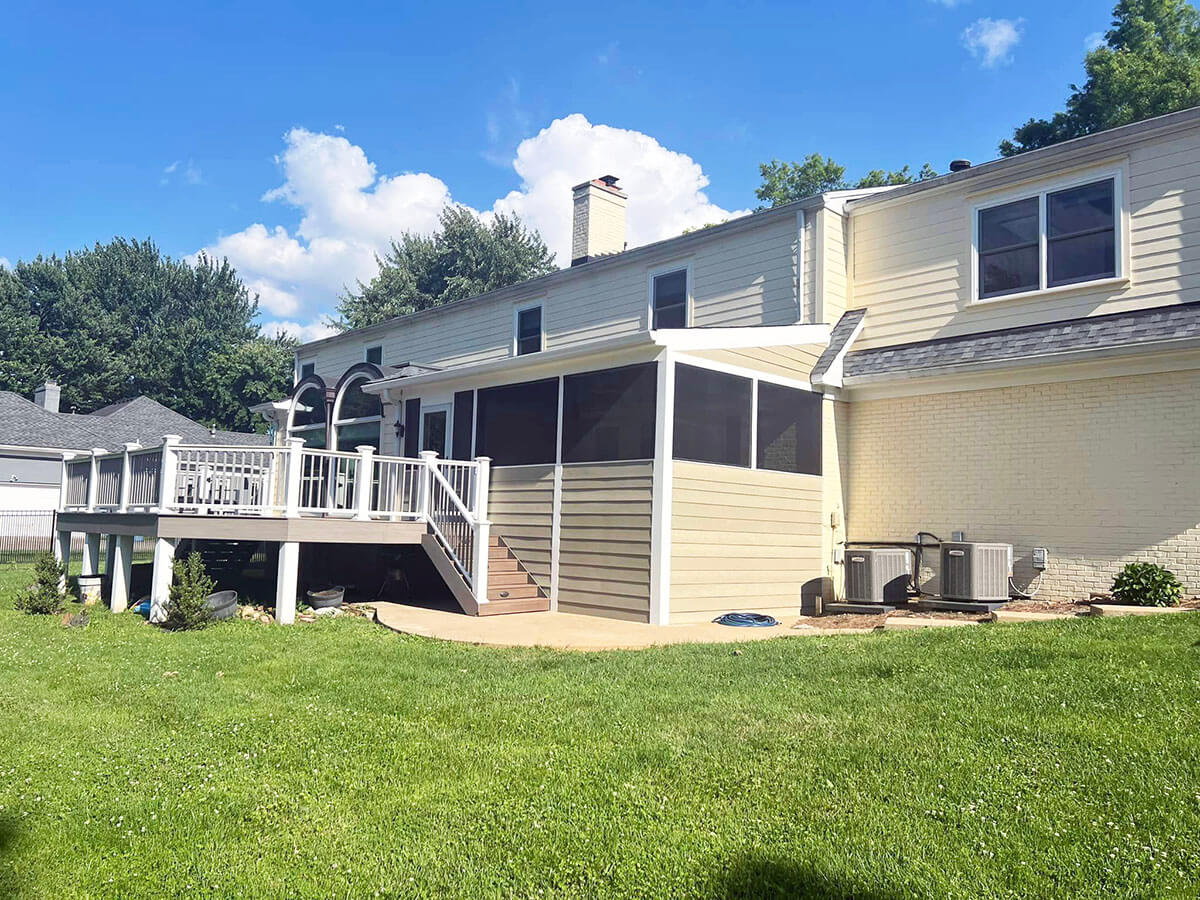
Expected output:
(121, 319)
(783, 182)
(464, 258)
(1148, 65)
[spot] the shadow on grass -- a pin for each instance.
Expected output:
(765, 879)
(9, 884)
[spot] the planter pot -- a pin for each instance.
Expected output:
(330, 599)
(89, 589)
(223, 604)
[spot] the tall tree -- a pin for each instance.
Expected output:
(1148, 65)
(120, 319)
(783, 182)
(464, 258)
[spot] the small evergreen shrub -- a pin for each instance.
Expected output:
(45, 595)
(1147, 584)
(187, 606)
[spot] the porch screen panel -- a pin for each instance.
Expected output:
(712, 416)
(412, 427)
(517, 424)
(609, 415)
(789, 429)
(464, 410)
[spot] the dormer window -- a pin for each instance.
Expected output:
(1053, 239)
(669, 300)
(528, 337)
(374, 355)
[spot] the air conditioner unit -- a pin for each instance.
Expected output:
(976, 572)
(878, 575)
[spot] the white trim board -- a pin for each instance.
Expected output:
(661, 488)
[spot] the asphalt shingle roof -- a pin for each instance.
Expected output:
(1110, 332)
(837, 340)
(25, 424)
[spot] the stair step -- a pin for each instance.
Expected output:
(503, 566)
(504, 607)
(515, 578)
(494, 541)
(516, 592)
(500, 553)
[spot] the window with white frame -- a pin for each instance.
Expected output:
(307, 417)
(374, 355)
(357, 416)
(1052, 239)
(669, 299)
(527, 327)
(307, 369)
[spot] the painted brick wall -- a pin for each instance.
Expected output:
(1101, 472)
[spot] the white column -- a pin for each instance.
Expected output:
(291, 490)
(126, 477)
(429, 458)
(660, 511)
(160, 585)
(62, 553)
(62, 486)
(483, 530)
(91, 555)
(286, 583)
(363, 480)
(93, 490)
(167, 471)
(122, 570)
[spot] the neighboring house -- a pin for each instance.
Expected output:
(700, 425)
(36, 435)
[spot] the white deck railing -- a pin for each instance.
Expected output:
(288, 482)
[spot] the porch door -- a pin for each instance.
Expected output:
(435, 429)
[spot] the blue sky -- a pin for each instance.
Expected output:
(296, 138)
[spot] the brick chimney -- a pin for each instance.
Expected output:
(599, 224)
(48, 396)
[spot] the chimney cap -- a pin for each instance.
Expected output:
(959, 165)
(604, 182)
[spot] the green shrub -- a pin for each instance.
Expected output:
(1147, 584)
(188, 603)
(45, 595)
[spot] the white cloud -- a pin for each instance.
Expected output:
(991, 40)
(350, 212)
(1094, 40)
(4, 263)
(188, 171)
(313, 331)
(950, 4)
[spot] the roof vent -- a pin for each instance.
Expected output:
(959, 165)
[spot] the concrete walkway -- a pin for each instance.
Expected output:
(565, 631)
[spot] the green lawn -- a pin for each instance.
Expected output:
(341, 760)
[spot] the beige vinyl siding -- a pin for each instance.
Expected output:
(1101, 472)
(832, 266)
(745, 278)
(521, 508)
(604, 555)
(811, 313)
(784, 361)
(911, 265)
(742, 539)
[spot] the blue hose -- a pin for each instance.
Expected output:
(746, 620)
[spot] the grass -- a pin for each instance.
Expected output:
(340, 760)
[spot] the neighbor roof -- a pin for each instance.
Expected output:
(141, 419)
(1051, 341)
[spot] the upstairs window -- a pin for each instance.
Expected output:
(374, 355)
(1053, 239)
(668, 300)
(528, 337)
(307, 369)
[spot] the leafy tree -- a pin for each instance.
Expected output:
(121, 319)
(466, 257)
(1148, 65)
(783, 182)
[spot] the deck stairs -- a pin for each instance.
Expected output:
(510, 588)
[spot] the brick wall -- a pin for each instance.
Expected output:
(1101, 472)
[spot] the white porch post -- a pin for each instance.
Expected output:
(291, 487)
(363, 482)
(160, 585)
(126, 478)
(62, 485)
(660, 512)
(91, 555)
(62, 553)
(286, 582)
(483, 530)
(429, 458)
(122, 570)
(167, 471)
(93, 490)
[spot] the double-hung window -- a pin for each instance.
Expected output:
(669, 299)
(528, 328)
(1052, 239)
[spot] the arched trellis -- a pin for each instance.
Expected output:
(357, 417)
